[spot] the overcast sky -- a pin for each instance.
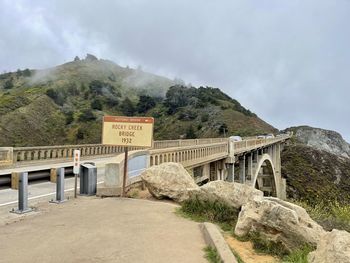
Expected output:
(288, 61)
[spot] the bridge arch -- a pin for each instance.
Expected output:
(265, 177)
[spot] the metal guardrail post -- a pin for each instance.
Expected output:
(22, 195)
(59, 187)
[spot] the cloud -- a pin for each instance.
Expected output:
(288, 61)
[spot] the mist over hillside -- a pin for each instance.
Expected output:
(65, 105)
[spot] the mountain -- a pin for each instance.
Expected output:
(65, 105)
(321, 139)
(317, 166)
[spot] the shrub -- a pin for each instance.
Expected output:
(127, 107)
(80, 134)
(111, 102)
(8, 84)
(26, 73)
(69, 117)
(96, 104)
(298, 256)
(223, 129)
(187, 115)
(204, 117)
(211, 254)
(87, 115)
(190, 133)
(329, 215)
(214, 211)
(145, 103)
(95, 87)
(260, 244)
(57, 97)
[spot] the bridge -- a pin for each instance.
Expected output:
(252, 161)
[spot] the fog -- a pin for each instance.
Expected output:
(287, 61)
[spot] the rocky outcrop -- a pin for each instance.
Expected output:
(280, 222)
(321, 139)
(233, 194)
(333, 247)
(168, 180)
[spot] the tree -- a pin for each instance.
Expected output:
(145, 103)
(178, 96)
(69, 117)
(26, 73)
(76, 58)
(96, 104)
(90, 57)
(111, 102)
(127, 107)
(223, 129)
(87, 115)
(57, 97)
(80, 134)
(8, 84)
(190, 133)
(96, 86)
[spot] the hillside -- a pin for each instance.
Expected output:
(65, 105)
(321, 139)
(316, 166)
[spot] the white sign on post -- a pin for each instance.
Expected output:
(76, 166)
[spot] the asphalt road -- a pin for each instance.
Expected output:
(45, 190)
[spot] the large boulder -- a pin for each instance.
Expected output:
(333, 247)
(168, 180)
(234, 194)
(280, 222)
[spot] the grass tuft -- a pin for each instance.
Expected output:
(298, 256)
(262, 245)
(213, 211)
(329, 215)
(211, 254)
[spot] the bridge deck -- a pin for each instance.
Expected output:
(190, 153)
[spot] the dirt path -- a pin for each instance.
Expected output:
(90, 229)
(246, 252)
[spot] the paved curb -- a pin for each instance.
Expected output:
(213, 238)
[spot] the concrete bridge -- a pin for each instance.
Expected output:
(253, 161)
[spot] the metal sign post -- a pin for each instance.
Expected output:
(125, 170)
(76, 169)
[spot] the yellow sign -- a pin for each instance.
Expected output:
(127, 131)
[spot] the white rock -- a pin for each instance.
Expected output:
(233, 194)
(334, 247)
(168, 180)
(279, 221)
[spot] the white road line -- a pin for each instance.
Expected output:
(39, 196)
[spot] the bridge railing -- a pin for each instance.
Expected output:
(189, 155)
(188, 142)
(20, 155)
(27, 154)
(245, 145)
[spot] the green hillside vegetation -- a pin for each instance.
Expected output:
(65, 105)
(315, 176)
(320, 182)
